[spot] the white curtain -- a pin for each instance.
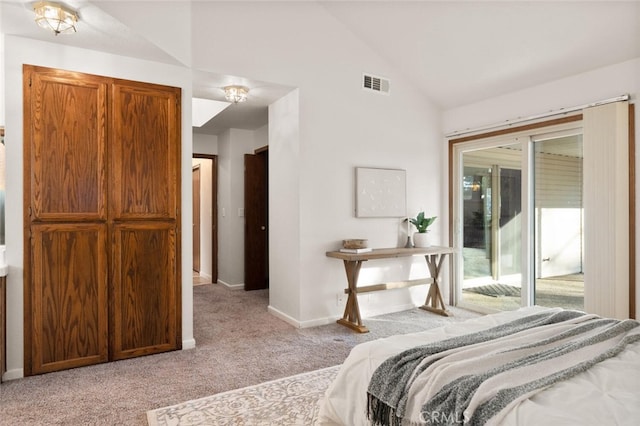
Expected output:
(606, 209)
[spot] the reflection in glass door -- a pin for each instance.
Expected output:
(558, 224)
(492, 227)
(519, 221)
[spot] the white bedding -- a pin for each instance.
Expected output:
(606, 394)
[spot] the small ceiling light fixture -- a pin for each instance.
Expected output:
(55, 17)
(236, 94)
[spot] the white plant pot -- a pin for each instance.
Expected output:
(421, 239)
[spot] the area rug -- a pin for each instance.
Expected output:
(289, 401)
(495, 290)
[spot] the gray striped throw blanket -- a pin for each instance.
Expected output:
(475, 379)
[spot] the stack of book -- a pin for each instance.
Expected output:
(355, 246)
(356, 250)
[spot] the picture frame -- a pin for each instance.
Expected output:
(381, 192)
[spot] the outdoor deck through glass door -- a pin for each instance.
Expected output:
(520, 230)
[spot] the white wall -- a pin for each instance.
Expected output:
(261, 136)
(205, 144)
(599, 84)
(312, 165)
(20, 51)
(284, 207)
(340, 127)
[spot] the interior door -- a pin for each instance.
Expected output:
(213, 212)
(214, 217)
(65, 220)
(256, 235)
(195, 175)
(144, 219)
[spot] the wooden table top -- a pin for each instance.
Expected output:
(385, 253)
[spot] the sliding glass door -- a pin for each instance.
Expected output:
(491, 233)
(558, 223)
(518, 221)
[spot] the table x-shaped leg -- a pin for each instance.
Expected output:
(434, 302)
(351, 317)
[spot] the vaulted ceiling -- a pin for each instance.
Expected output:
(454, 52)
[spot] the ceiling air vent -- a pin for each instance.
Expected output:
(376, 84)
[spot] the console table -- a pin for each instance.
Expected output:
(434, 256)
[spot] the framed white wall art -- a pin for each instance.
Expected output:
(381, 192)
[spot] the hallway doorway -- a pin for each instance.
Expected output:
(205, 216)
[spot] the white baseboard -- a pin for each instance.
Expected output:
(365, 313)
(16, 373)
(205, 276)
(300, 324)
(284, 317)
(330, 320)
(318, 321)
(232, 286)
(188, 344)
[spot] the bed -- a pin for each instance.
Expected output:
(602, 388)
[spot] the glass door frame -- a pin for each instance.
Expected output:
(526, 136)
(536, 233)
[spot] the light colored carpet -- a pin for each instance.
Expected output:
(238, 344)
(293, 400)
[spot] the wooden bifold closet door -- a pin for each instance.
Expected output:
(101, 198)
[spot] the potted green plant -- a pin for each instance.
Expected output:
(422, 224)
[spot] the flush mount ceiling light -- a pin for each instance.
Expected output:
(236, 94)
(55, 17)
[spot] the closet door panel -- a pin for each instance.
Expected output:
(101, 219)
(69, 293)
(144, 202)
(67, 150)
(145, 292)
(144, 152)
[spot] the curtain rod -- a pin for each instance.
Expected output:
(560, 111)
